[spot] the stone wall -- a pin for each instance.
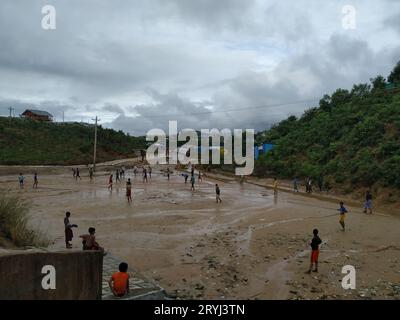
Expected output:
(78, 274)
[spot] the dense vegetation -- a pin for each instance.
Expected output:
(28, 142)
(352, 138)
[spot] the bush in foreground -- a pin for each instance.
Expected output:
(14, 223)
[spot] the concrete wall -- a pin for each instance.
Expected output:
(78, 274)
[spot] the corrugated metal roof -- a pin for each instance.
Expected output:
(39, 113)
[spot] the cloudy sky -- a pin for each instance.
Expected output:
(205, 63)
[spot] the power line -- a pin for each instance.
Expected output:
(237, 109)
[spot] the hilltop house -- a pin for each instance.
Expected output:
(37, 115)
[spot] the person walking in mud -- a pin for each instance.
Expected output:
(145, 175)
(315, 242)
(77, 175)
(21, 180)
(275, 187)
(68, 230)
(110, 183)
(150, 172)
(217, 194)
(73, 172)
(168, 173)
(200, 177)
(342, 212)
(192, 181)
(309, 185)
(368, 202)
(320, 182)
(91, 173)
(295, 185)
(117, 179)
(129, 190)
(35, 181)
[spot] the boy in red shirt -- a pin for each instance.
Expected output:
(119, 282)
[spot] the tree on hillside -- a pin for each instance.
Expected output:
(394, 76)
(378, 83)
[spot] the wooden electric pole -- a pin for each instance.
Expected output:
(95, 143)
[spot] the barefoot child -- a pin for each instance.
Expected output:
(217, 194)
(275, 185)
(89, 241)
(68, 230)
(129, 190)
(119, 282)
(315, 242)
(21, 179)
(342, 211)
(35, 181)
(110, 182)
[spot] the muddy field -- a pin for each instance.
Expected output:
(251, 246)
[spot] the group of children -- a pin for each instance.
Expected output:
(119, 281)
(21, 181)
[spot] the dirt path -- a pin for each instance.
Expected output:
(251, 246)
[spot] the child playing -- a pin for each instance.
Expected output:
(68, 230)
(129, 190)
(342, 211)
(21, 179)
(119, 282)
(89, 241)
(275, 185)
(217, 194)
(315, 242)
(110, 182)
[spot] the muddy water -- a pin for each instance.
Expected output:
(252, 245)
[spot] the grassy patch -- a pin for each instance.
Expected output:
(14, 223)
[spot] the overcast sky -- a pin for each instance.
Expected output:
(137, 64)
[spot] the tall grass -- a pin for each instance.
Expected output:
(14, 223)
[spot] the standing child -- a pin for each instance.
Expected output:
(368, 202)
(192, 181)
(315, 242)
(35, 181)
(110, 182)
(217, 194)
(275, 185)
(68, 230)
(21, 179)
(342, 211)
(150, 172)
(295, 185)
(145, 175)
(77, 174)
(129, 190)
(91, 173)
(119, 282)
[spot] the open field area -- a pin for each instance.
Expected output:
(251, 246)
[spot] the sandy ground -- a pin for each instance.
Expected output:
(251, 246)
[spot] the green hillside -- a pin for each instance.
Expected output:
(27, 142)
(352, 138)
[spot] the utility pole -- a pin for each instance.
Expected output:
(11, 110)
(95, 143)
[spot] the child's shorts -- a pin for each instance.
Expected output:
(342, 216)
(368, 204)
(314, 256)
